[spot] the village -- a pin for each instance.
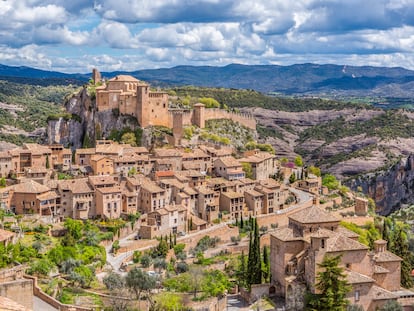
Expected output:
(179, 195)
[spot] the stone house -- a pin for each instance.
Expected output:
(228, 168)
(254, 201)
(198, 160)
(152, 197)
(31, 197)
(312, 184)
(77, 199)
(207, 204)
(102, 165)
(232, 202)
(163, 221)
(61, 157)
(83, 156)
(361, 206)
(5, 164)
(274, 195)
(312, 234)
(263, 164)
(109, 202)
(170, 157)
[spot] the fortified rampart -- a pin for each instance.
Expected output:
(133, 97)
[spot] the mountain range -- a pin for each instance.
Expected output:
(299, 79)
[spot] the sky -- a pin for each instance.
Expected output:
(77, 35)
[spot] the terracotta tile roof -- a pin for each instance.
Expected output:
(37, 149)
(357, 278)
(285, 234)
(229, 162)
(30, 187)
(106, 190)
(196, 153)
(254, 193)
(346, 232)
(204, 190)
(50, 195)
(220, 181)
(140, 150)
(123, 78)
(197, 221)
(160, 152)
(161, 211)
(76, 186)
(340, 243)
(232, 194)
(378, 293)
(131, 157)
(189, 191)
(386, 256)
(161, 174)
(35, 170)
(379, 269)
(5, 235)
(175, 207)
(86, 151)
(313, 215)
(151, 186)
(173, 182)
(101, 180)
(136, 180)
(270, 183)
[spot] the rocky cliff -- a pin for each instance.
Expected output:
(85, 123)
(391, 189)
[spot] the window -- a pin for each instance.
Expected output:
(323, 243)
(357, 295)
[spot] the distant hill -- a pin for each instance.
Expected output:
(300, 79)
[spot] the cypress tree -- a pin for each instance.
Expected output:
(266, 264)
(250, 266)
(257, 272)
(171, 241)
(241, 221)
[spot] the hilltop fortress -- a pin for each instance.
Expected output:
(131, 96)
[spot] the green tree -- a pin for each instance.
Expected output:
(330, 181)
(298, 161)
(82, 276)
(209, 102)
(292, 178)
(3, 182)
(314, 170)
(254, 268)
(47, 162)
(266, 264)
(129, 138)
(248, 170)
(162, 248)
(113, 281)
(145, 261)
(168, 302)
(332, 286)
(138, 282)
(391, 305)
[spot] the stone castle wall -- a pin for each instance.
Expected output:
(244, 119)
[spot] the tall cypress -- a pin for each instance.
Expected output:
(241, 220)
(257, 271)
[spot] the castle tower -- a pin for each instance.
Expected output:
(178, 127)
(143, 106)
(96, 76)
(199, 115)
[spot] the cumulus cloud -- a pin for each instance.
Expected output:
(132, 34)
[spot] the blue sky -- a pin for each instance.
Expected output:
(76, 35)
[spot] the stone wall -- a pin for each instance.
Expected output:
(244, 119)
(20, 291)
(37, 291)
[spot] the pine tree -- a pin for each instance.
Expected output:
(266, 264)
(332, 286)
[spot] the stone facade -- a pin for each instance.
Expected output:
(129, 96)
(312, 234)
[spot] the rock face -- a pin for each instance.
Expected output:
(86, 123)
(391, 189)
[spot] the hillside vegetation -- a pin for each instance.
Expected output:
(235, 98)
(25, 108)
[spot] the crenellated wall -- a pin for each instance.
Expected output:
(242, 118)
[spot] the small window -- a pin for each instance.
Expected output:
(357, 295)
(322, 243)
